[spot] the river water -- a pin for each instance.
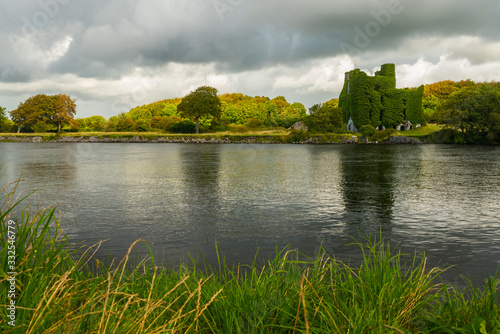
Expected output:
(183, 198)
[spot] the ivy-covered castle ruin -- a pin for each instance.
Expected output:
(375, 101)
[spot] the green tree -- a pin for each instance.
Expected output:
(5, 122)
(126, 125)
(296, 109)
(430, 105)
(3, 116)
(325, 117)
(112, 124)
(3, 119)
(199, 103)
(472, 111)
(97, 123)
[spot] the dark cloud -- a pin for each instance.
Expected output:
(110, 39)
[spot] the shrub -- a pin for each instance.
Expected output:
(125, 125)
(384, 134)
(287, 122)
(297, 136)
(254, 123)
(141, 125)
(367, 130)
(186, 126)
(272, 122)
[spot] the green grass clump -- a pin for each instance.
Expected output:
(423, 130)
(66, 290)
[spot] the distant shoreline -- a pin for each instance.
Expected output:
(203, 139)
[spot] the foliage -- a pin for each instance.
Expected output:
(443, 89)
(164, 123)
(186, 126)
(383, 135)
(65, 110)
(91, 124)
(112, 124)
(430, 104)
(42, 127)
(325, 117)
(281, 105)
(236, 108)
(367, 130)
(200, 103)
(34, 109)
(141, 126)
(5, 122)
(52, 110)
(126, 125)
(472, 111)
(74, 126)
(3, 116)
(254, 123)
(297, 136)
(147, 112)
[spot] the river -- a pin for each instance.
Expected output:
(183, 198)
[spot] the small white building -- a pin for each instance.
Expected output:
(350, 126)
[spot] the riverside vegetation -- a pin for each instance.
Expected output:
(62, 289)
(464, 111)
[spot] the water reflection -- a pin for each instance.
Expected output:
(199, 198)
(182, 197)
(368, 185)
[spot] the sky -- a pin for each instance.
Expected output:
(113, 55)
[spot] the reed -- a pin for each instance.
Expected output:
(66, 290)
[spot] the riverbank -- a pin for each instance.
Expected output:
(295, 137)
(62, 289)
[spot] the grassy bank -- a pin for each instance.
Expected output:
(265, 136)
(238, 134)
(57, 292)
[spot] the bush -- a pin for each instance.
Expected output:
(254, 123)
(367, 130)
(141, 125)
(287, 122)
(272, 122)
(8, 126)
(297, 136)
(112, 124)
(186, 126)
(126, 125)
(383, 135)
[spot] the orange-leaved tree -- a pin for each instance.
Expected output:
(64, 110)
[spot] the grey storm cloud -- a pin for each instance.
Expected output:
(111, 37)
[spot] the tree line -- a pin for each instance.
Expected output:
(469, 112)
(201, 110)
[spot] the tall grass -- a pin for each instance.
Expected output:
(66, 290)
